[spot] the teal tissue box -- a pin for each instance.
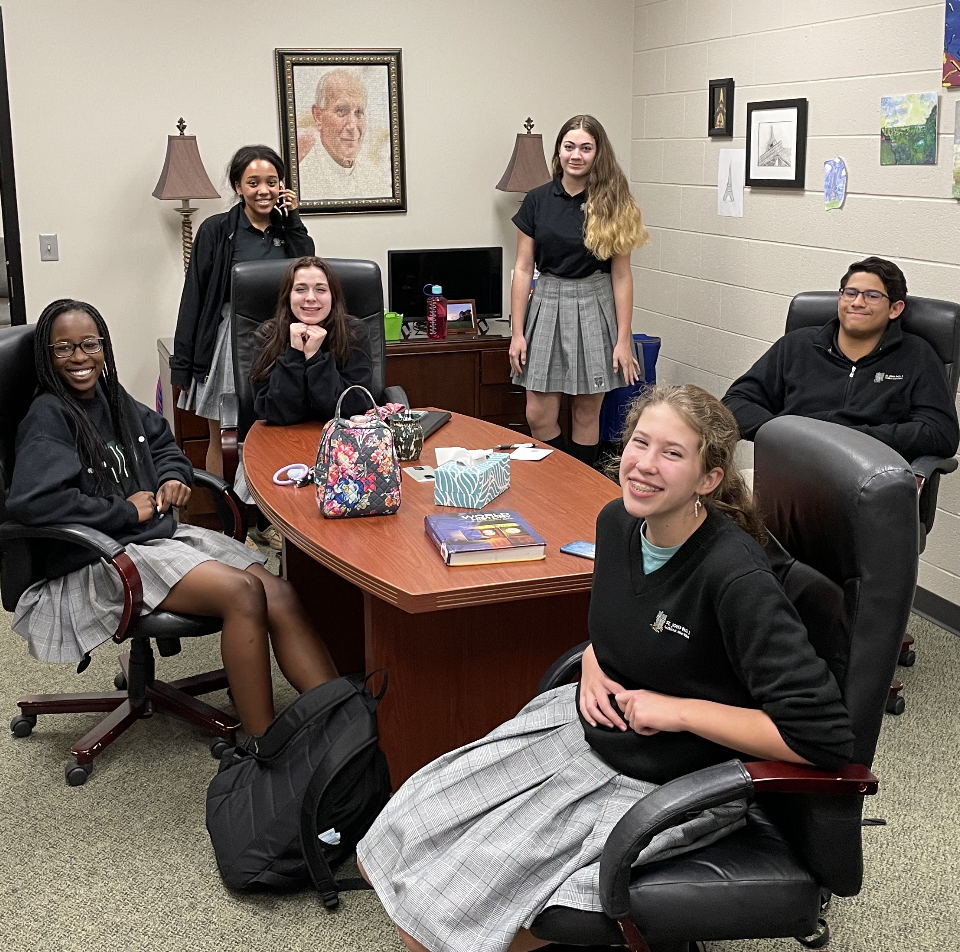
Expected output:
(471, 487)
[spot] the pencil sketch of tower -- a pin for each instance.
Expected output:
(775, 154)
(728, 192)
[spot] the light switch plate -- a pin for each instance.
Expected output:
(48, 248)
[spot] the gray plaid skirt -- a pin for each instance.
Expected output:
(571, 330)
(64, 618)
(203, 398)
(477, 844)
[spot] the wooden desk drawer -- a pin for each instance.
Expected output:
(500, 398)
(494, 367)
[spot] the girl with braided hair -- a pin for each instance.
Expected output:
(88, 453)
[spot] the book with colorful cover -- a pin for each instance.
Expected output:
(477, 538)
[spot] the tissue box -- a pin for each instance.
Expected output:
(471, 487)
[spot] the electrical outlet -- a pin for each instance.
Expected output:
(48, 248)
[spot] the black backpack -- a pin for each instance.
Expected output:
(293, 804)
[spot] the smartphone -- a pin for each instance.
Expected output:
(280, 206)
(585, 550)
(422, 474)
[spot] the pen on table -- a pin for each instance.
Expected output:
(511, 446)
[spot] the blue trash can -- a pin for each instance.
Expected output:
(613, 410)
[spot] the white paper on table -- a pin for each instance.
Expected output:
(730, 183)
(532, 453)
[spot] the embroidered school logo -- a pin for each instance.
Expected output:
(879, 378)
(583, 207)
(598, 381)
(661, 624)
(277, 242)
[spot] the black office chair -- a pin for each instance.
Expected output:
(254, 288)
(834, 498)
(938, 323)
(139, 694)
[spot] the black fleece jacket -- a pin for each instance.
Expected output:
(206, 288)
(298, 389)
(712, 623)
(897, 394)
(50, 486)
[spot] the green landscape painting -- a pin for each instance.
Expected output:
(908, 129)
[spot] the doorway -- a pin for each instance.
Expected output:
(13, 308)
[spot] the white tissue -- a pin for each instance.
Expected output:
(467, 457)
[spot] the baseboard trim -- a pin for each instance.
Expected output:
(937, 609)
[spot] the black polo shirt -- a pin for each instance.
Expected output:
(252, 244)
(554, 220)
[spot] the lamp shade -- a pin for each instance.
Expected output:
(183, 174)
(527, 167)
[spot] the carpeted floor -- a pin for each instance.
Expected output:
(124, 862)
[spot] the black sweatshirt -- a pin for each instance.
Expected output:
(298, 389)
(897, 394)
(50, 486)
(712, 623)
(206, 288)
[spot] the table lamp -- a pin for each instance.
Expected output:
(527, 167)
(184, 177)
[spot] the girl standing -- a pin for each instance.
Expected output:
(263, 224)
(88, 453)
(574, 335)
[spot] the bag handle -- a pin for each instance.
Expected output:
(355, 386)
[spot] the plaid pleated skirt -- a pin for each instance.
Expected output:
(203, 397)
(571, 330)
(64, 618)
(477, 844)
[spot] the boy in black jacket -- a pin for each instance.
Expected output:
(860, 370)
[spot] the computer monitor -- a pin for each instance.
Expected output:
(464, 274)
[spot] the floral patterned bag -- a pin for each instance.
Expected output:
(357, 472)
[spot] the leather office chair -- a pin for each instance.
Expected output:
(938, 323)
(834, 498)
(139, 694)
(254, 288)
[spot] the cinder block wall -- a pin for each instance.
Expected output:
(716, 289)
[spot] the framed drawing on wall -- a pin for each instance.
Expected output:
(341, 129)
(776, 143)
(720, 103)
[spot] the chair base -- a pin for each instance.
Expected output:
(176, 698)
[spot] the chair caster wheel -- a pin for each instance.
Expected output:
(120, 681)
(895, 705)
(907, 658)
(23, 724)
(77, 774)
(219, 746)
(819, 938)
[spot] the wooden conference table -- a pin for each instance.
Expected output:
(464, 646)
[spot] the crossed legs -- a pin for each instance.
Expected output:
(257, 609)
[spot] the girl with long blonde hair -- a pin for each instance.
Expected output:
(573, 336)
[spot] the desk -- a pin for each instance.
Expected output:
(465, 646)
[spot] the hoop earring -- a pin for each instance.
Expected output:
(696, 509)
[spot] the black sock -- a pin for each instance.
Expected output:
(559, 442)
(586, 454)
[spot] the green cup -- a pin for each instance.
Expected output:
(392, 322)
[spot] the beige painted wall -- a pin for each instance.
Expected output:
(717, 289)
(97, 86)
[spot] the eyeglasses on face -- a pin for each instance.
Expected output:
(871, 296)
(89, 345)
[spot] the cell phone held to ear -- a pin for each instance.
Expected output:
(281, 205)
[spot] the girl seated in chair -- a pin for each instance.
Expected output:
(88, 453)
(696, 657)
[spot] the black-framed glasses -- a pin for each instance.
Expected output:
(871, 296)
(89, 345)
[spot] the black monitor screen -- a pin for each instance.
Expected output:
(463, 273)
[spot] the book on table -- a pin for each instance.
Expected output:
(477, 538)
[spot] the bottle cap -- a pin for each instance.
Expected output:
(436, 289)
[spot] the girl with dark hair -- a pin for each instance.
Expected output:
(574, 334)
(263, 224)
(696, 657)
(88, 453)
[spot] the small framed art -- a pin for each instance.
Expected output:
(462, 317)
(776, 143)
(720, 102)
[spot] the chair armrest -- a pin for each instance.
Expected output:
(926, 466)
(94, 541)
(396, 395)
(563, 670)
(225, 501)
(701, 790)
(229, 424)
